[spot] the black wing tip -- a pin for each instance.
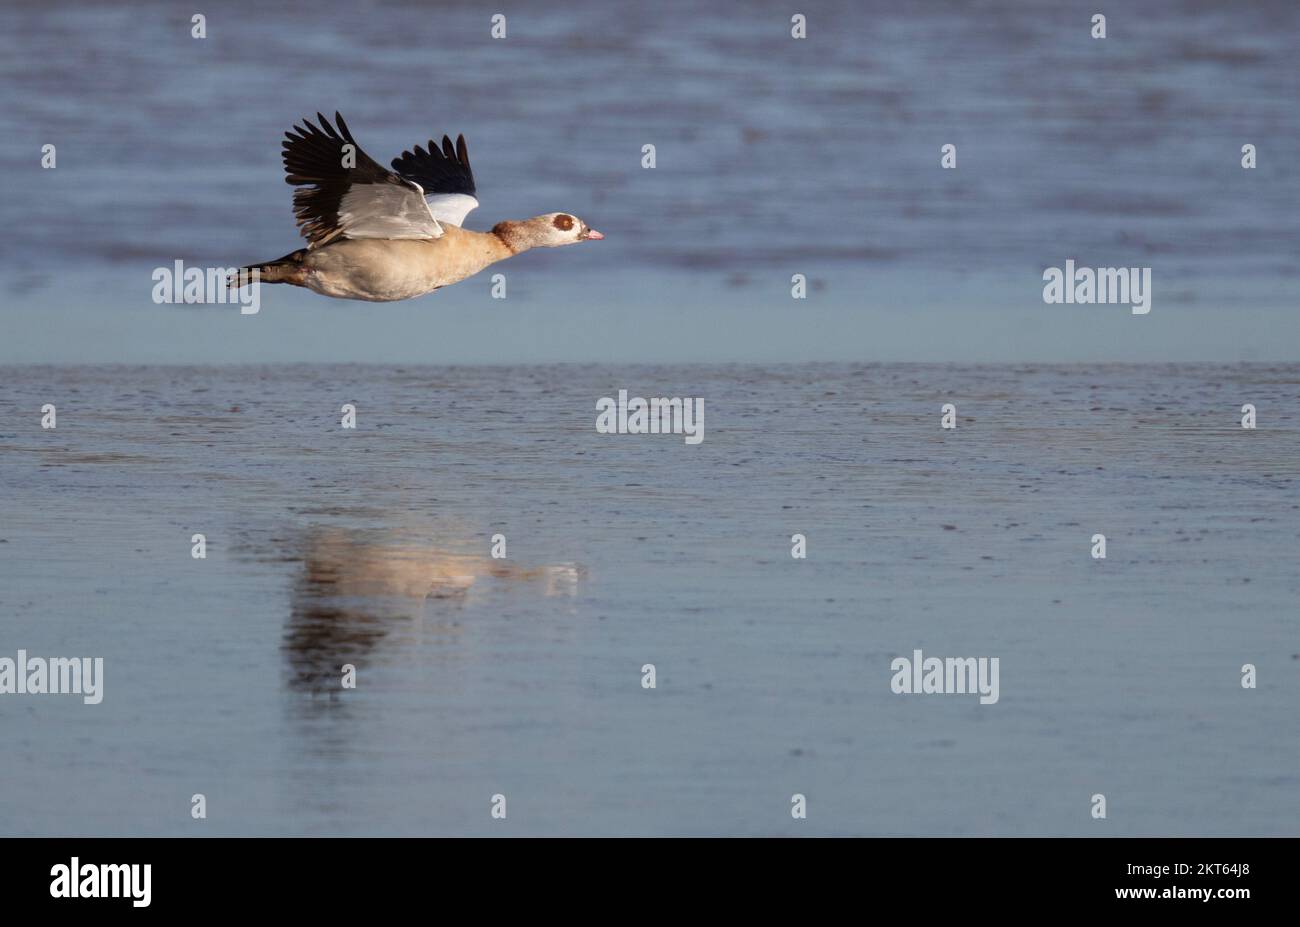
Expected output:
(343, 126)
(321, 126)
(435, 152)
(457, 153)
(444, 168)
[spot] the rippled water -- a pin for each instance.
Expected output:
(774, 156)
(523, 676)
(821, 150)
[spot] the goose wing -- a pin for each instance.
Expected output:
(343, 192)
(444, 175)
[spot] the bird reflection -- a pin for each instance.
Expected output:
(355, 588)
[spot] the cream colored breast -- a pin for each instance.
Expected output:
(385, 270)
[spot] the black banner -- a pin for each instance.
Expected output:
(329, 876)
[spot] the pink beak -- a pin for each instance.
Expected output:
(593, 235)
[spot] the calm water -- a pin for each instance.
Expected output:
(522, 676)
(774, 156)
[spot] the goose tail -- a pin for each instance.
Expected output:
(287, 269)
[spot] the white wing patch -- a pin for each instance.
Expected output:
(451, 208)
(385, 210)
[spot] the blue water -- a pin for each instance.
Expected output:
(775, 156)
(522, 676)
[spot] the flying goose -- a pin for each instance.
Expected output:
(384, 235)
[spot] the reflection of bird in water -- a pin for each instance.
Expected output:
(354, 589)
(338, 563)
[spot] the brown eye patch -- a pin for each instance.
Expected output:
(563, 222)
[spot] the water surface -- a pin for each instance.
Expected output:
(775, 156)
(523, 677)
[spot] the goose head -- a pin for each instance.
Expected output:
(561, 228)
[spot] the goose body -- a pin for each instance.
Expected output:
(382, 235)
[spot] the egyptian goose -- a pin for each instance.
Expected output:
(385, 235)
